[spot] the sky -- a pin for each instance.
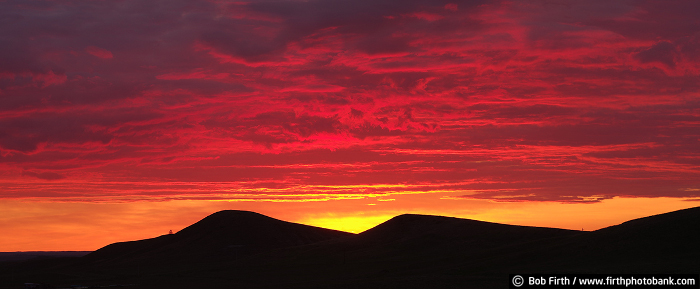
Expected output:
(121, 120)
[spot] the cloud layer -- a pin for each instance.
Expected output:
(567, 101)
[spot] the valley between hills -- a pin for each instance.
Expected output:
(241, 249)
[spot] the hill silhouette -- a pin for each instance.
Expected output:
(34, 255)
(249, 250)
(665, 242)
(427, 230)
(222, 235)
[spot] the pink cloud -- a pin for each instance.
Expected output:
(99, 52)
(479, 99)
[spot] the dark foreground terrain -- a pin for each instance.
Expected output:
(237, 249)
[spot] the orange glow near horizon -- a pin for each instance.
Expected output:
(90, 226)
(342, 114)
(572, 216)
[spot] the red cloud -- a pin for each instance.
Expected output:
(49, 176)
(99, 52)
(505, 101)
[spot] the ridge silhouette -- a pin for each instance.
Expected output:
(219, 235)
(412, 226)
(250, 250)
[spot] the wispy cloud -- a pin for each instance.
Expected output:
(314, 100)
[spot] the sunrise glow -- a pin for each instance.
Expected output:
(121, 120)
